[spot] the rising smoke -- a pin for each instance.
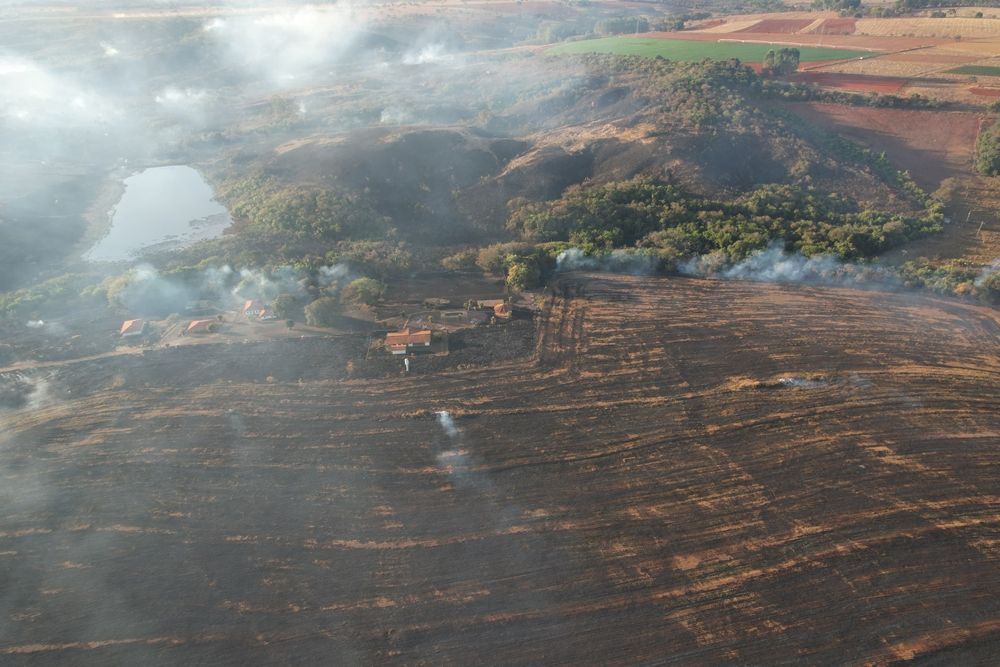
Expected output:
(773, 264)
(287, 47)
(631, 262)
(988, 272)
(146, 291)
(447, 423)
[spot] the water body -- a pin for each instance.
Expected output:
(162, 208)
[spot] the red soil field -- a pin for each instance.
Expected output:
(836, 27)
(931, 145)
(856, 82)
(778, 26)
(985, 92)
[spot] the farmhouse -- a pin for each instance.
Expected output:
(202, 326)
(403, 341)
(132, 328)
(254, 308)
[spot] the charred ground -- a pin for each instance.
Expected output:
(714, 471)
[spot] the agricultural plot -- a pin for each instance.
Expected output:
(903, 135)
(683, 472)
(927, 27)
(976, 70)
(692, 50)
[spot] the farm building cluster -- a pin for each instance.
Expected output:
(417, 333)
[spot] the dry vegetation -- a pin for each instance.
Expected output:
(649, 486)
(921, 27)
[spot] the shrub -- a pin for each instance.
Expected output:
(365, 291)
(322, 312)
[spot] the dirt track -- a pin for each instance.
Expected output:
(645, 488)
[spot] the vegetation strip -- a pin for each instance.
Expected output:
(686, 50)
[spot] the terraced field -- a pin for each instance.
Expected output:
(685, 472)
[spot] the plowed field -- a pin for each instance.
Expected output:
(684, 472)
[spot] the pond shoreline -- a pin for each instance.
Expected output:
(100, 211)
(171, 206)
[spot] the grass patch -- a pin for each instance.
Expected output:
(976, 70)
(682, 49)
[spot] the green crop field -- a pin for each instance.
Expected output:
(976, 70)
(682, 49)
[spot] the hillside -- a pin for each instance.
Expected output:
(703, 126)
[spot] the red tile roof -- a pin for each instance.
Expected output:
(132, 327)
(200, 326)
(253, 305)
(406, 337)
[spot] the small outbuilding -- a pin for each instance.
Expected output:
(407, 340)
(133, 328)
(202, 326)
(502, 311)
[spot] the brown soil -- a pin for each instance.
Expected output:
(640, 490)
(784, 26)
(857, 82)
(985, 92)
(836, 27)
(931, 145)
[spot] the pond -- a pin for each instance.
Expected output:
(162, 208)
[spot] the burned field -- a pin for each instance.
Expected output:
(682, 472)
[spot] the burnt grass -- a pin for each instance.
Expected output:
(619, 494)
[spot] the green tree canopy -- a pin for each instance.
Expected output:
(322, 312)
(988, 152)
(363, 291)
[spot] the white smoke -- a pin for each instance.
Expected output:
(258, 284)
(286, 46)
(431, 53)
(180, 98)
(801, 383)
(34, 95)
(775, 265)
(617, 261)
(448, 424)
(397, 116)
(109, 49)
(192, 106)
(19, 391)
(988, 271)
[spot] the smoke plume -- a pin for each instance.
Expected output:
(447, 423)
(773, 264)
(617, 261)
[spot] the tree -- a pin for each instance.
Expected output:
(988, 152)
(363, 291)
(522, 276)
(464, 260)
(783, 61)
(322, 312)
(284, 306)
